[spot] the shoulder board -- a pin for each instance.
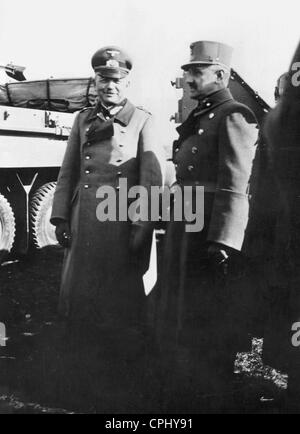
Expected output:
(244, 110)
(144, 110)
(85, 109)
(238, 107)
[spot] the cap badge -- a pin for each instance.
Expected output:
(112, 63)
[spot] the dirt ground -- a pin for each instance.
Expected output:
(39, 373)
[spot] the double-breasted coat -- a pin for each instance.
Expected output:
(215, 149)
(102, 279)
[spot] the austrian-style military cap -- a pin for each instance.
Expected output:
(209, 53)
(112, 62)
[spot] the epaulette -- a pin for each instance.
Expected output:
(86, 108)
(144, 110)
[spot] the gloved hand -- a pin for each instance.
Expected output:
(63, 234)
(140, 235)
(219, 258)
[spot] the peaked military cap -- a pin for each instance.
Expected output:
(112, 62)
(209, 53)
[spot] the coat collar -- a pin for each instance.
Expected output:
(212, 101)
(124, 116)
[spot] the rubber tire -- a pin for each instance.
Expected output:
(43, 232)
(7, 227)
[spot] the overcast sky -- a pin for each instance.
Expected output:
(56, 38)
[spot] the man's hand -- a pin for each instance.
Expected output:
(63, 234)
(219, 250)
(218, 256)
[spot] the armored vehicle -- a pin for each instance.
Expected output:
(35, 121)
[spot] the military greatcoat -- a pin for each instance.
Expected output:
(282, 130)
(215, 149)
(102, 279)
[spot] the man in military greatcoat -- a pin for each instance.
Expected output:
(113, 142)
(201, 301)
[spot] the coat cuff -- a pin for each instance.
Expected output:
(59, 212)
(55, 221)
(229, 219)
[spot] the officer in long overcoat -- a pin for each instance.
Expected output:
(201, 298)
(282, 130)
(113, 142)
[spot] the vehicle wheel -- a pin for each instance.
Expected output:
(43, 232)
(7, 227)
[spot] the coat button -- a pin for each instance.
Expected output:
(87, 172)
(176, 150)
(190, 168)
(119, 161)
(119, 173)
(194, 150)
(200, 132)
(86, 186)
(88, 157)
(208, 104)
(118, 188)
(211, 116)
(121, 146)
(88, 144)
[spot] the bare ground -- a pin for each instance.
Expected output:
(36, 371)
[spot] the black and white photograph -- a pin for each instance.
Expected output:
(149, 210)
